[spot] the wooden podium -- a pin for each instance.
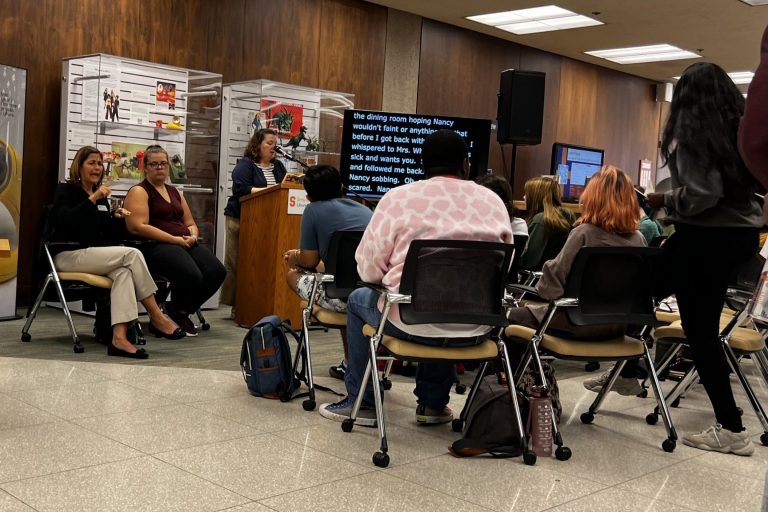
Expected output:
(267, 230)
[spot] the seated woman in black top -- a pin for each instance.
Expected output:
(161, 213)
(81, 214)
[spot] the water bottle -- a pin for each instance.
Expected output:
(540, 422)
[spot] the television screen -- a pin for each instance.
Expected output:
(574, 165)
(381, 150)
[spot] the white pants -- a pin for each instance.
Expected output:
(131, 281)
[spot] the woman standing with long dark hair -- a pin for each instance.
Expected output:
(716, 217)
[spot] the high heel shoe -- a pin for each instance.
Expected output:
(175, 335)
(114, 351)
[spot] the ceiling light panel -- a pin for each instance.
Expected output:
(638, 54)
(755, 2)
(536, 19)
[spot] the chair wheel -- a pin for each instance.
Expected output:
(78, 349)
(461, 388)
(529, 458)
(25, 336)
(381, 459)
(347, 425)
(457, 424)
(205, 326)
(669, 445)
(592, 366)
(652, 418)
(764, 438)
(587, 417)
(643, 393)
(386, 384)
(676, 403)
(563, 453)
(308, 405)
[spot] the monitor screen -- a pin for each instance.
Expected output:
(380, 150)
(574, 165)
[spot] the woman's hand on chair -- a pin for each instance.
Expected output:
(121, 213)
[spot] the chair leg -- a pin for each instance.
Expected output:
(309, 404)
(754, 402)
(600, 398)
(673, 397)
(32, 311)
(204, 326)
(671, 441)
(529, 457)
(761, 361)
(385, 381)
(77, 347)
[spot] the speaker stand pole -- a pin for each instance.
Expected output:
(512, 167)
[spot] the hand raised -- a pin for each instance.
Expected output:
(101, 193)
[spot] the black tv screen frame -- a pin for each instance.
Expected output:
(572, 189)
(381, 150)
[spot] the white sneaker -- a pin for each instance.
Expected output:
(626, 386)
(718, 439)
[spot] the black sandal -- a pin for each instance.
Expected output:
(139, 354)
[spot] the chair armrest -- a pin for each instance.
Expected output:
(521, 288)
(373, 286)
(138, 243)
(70, 245)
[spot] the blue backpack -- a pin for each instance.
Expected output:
(266, 360)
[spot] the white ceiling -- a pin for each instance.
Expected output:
(726, 32)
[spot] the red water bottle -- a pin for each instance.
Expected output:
(540, 422)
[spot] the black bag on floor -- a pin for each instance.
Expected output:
(102, 328)
(490, 424)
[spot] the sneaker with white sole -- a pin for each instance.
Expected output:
(626, 386)
(341, 410)
(433, 415)
(718, 439)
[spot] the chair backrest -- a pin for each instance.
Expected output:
(554, 245)
(342, 264)
(455, 281)
(614, 285)
(519, 242)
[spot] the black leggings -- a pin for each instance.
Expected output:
(696, 267)
(195, 274)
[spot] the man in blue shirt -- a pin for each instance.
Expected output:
(328, 211)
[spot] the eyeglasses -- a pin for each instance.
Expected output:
(158, 165)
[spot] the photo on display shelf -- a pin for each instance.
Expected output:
(124, 162)
(165, 95)
(111, 105)
(285, 118)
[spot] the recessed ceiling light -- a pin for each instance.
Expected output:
(637, 54)
(755, 2)
(738, 77)
(536, 19)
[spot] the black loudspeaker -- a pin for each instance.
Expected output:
(521, 107)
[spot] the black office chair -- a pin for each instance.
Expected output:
(606, 285)
(444, 281)
(339, 279)
(67, 286)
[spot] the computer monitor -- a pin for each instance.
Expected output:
(574, 166)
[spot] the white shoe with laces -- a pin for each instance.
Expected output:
(718, 439)
(624, 385)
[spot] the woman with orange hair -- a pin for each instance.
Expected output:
(608, 219)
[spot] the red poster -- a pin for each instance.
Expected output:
(284, 118)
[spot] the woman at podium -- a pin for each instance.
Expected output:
(258, 169)
(159, 212)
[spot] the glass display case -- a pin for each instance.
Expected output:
(121, 106)
(308, 123)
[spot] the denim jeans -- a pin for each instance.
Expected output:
(433, 381)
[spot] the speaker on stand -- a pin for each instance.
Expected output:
(520, 112)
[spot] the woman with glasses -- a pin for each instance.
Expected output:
(160, 213)
(81, 213)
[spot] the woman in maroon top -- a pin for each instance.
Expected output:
(160, 212)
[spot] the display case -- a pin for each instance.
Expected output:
(121, 106)
(308, 123)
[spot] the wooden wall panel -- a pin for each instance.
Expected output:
(286, 41)
(353, 39)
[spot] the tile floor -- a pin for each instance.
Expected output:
(82, 436)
